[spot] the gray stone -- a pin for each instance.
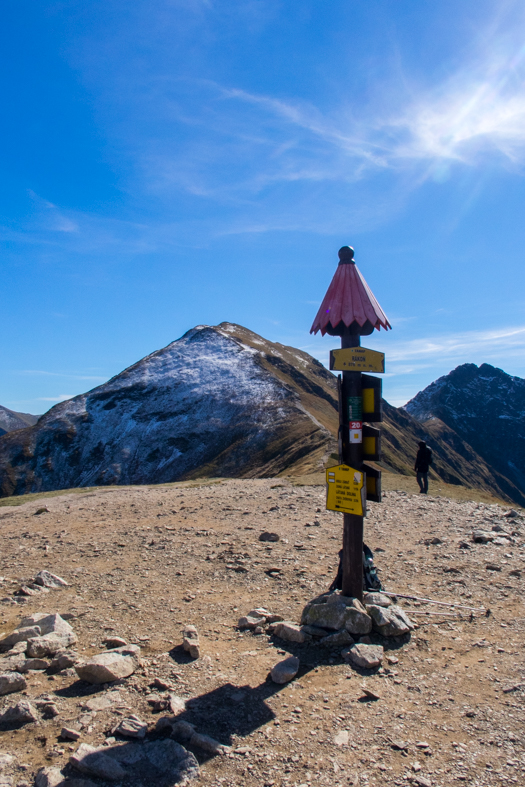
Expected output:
(482, 536)
(337, 640)
(109, 666)
(341, 739)
(49, 580)
(206, 743)
(316, 631)
(13, 663)
(390, 621)
(63, 661)
(49, 624)
(290, 632)
(285, 670)
(21, 713)
(101, 701)
(156, 762)
(364, 656)
(70, 734)
(176, 704)
(357, 619)
(49, 777)
(132, 727)
(114, 642)
(267, 536)
(88, 759)
(34, 664)
(17, 649)
(49, 645)
(190, 641)
(328, 616)
(20, 635)
(12, 681)
(250, 621)
(377, 599)
(183, 731)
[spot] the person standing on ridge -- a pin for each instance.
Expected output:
(422, 465)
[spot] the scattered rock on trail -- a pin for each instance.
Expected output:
(22, 634)
(63, 661)
(109, 666)
(357, 619)
(21, 713)
(91, 760)
(378, 599)
(155, 762)
(334, 611)
(482, 536)
(186, 732)
(69, 734)
(250, 621)
(363, 655)
(49, 580)
(290, 632)
(285, 670)
(190, 641)
(11, 682)
(49, 645)
(34, 664)
(114, 642)
(48, 777)
(338, 639)
(390, 621)
(267, 536)
(132, 727)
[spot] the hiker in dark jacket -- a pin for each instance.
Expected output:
(422, 465)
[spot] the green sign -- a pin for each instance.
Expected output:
(355, 408)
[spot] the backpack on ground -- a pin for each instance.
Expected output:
(370, 579)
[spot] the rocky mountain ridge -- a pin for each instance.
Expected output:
(485, 408)
(11, 420)
(220, 401)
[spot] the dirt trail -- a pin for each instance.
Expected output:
(142, 562)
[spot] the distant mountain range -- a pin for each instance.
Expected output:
(485, 407)
(11, 420)
(223, 401)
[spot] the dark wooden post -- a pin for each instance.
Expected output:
(353, 456)
(350, 310)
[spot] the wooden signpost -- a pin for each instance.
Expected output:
(350, 310)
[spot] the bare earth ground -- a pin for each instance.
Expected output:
(144, 561)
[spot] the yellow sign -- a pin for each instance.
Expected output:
(343, 490)
(357, 359)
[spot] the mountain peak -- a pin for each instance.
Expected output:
(485, 406)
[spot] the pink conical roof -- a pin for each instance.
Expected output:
(349, 300)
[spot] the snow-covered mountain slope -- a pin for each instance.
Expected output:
(486, 408)
(11, 420)
(219, 401)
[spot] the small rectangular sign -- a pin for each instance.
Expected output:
(355, 408)
(344, 487)
(357, 359)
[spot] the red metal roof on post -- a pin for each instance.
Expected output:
(348, 302)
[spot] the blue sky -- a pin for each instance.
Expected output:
(176, 162)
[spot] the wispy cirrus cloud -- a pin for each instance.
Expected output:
(492, 345)
(70, 376)
(59, 398)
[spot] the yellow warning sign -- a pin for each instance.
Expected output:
(343, 490)
(357, 359)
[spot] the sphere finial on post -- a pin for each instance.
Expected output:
(346, 255)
